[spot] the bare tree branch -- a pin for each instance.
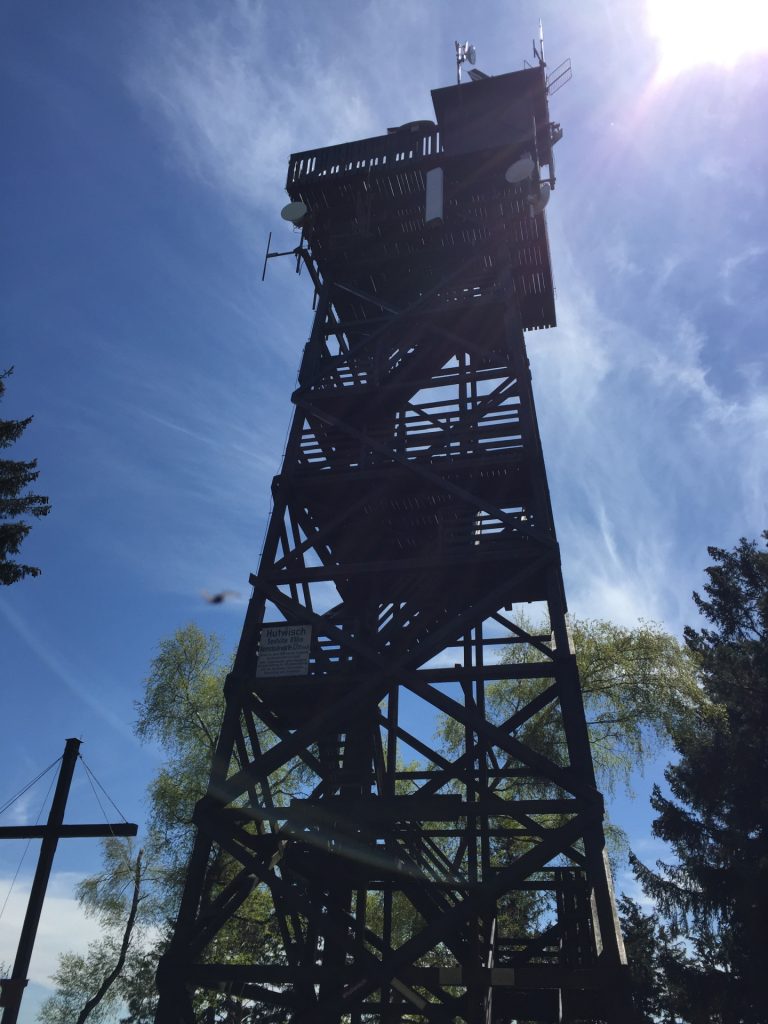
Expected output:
(114, 974)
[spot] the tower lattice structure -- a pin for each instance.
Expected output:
(393, 876)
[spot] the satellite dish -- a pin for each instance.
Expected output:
(521, 169)
(294, 212)
(540, 200)
(471, 52)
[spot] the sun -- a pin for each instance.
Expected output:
(694, 32)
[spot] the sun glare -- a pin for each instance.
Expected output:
(694, 32)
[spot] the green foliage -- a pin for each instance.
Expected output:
(91, 986)
(106, 896)
(15, 476)
(137, 986)
(131, 998)
(639, 689)
(182, 702)
(76, 978)
(716, 820)
(181, 711)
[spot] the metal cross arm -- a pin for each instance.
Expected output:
(120, 830)
(11, 989)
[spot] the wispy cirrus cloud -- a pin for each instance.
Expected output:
(734, 269)
(207, 515)
(641, 436)
(232, 116)
(76, 680)
(236, 89)
(652, 454)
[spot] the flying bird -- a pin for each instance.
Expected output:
(221, 597)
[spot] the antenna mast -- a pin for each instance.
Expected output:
(539, 54)
(464, 51)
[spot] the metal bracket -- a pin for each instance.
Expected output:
(298, 252)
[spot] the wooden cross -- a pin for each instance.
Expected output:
(11, 989)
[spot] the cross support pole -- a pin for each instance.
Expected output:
(13, 987)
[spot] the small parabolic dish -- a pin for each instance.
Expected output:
(294, 212)
(520, 169)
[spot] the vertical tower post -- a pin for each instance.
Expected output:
(410, 581)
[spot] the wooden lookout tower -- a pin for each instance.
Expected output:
(393, 877)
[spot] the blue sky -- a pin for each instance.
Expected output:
(145, 152)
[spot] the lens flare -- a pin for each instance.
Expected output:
(690, 33)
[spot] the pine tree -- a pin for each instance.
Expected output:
(658, 966)
(716, 819)
(15, 476)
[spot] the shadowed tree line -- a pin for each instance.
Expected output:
(698, 956)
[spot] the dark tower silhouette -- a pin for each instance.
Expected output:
(411, 522)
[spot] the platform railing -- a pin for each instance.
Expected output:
(391, 152)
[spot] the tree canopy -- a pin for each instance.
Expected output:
(15, 476)
(639, 687)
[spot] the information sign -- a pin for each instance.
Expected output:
(284, 650)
